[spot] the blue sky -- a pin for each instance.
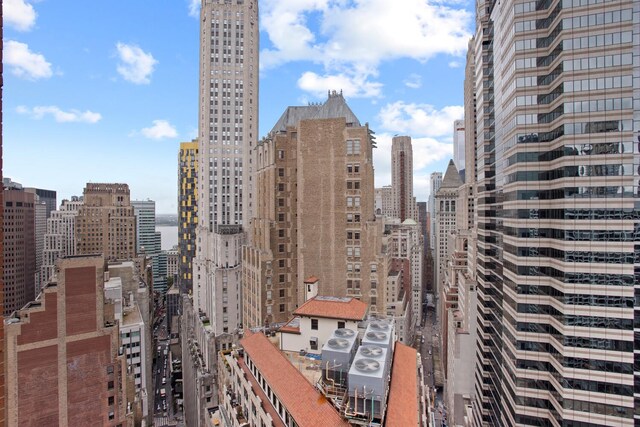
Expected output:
(106, 91)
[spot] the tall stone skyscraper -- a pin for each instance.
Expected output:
(446, 199)
(404, 205)
(435, 180)
(228, 131)
(106, 224)
(314, 214)
(558, 122)
(187, 212)
(458, 146)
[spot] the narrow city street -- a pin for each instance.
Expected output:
(431, 360)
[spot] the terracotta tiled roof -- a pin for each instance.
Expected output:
(402, 407)
(305, 404)
(269, 409)
(311, 279)
(333, 308)
(290, 329)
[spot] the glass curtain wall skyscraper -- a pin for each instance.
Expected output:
(558, 121)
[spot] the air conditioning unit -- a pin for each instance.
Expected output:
(381, 333)
(337, 354)
(368, 381)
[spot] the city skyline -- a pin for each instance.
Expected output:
(127, 93)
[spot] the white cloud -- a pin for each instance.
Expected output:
(18, 14)
(420, 119)
(414, 81)
(363, 33)
(194, 8)
(60, 115)
(25, 63)
(353, 86)
(136, 65)
(455, 64)
(161, 129)
(426, 152)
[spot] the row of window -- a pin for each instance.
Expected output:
(573, 192)
(574, 299)
(609, 39)
(626, 169)
(596, 62)
(597, 19)
(602, 279)
(575, 235)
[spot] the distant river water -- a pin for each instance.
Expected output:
(169, 236)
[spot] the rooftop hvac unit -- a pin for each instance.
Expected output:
(380, 333)
(368, 382)
(337, 354)
(377, 353)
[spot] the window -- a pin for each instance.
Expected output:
(280, 202)
(281, 308)
(110, 400)
(314, 324)
(281, 187)
(281, 293)
(313, 343)
(110, 385)
(353, 146)
(281, 263)
(280, 154)
(281, 247)
(281, 217)
(341, 325)
(281, 232)
(110, 369)
(280, 171)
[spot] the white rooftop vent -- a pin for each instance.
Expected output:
(344, 333)
(371, 351)
(338, 343)
(367, 366)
